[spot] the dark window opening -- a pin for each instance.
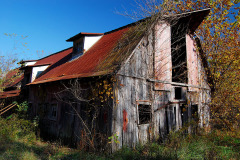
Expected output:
(178, 93)
(47, 111)
(194, 111)
(38, 73)
(77, 49)
(184, 113)
(52, 114)
(144, 112)
(178, 53)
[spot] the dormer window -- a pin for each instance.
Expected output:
(78, 47)
(82, 42)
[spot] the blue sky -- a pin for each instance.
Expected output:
(48, 23)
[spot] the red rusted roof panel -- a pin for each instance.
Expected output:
(98, 60)
(86, 65)
(12, 78)
(8, 94)
(53, 58)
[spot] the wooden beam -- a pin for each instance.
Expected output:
(177, 102)
(177, 84)
(8, 109)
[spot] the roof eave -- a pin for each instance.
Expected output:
(81, 34)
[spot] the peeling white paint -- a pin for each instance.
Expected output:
(89, 41)
(36, 71)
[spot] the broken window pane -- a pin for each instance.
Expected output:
(144, 112)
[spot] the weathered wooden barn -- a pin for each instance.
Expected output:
(125, 86)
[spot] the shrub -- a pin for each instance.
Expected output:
(14, 128)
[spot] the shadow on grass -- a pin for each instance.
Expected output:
(20, 150)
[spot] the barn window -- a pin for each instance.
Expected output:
(144, 113)
(179, 53)
(178, 92)
(52, 113)
(77, 49)
(194, 111)
(38, 73)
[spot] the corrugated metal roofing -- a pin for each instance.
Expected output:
(8, 94)
(53, 58)
(12, 78)
(94, 62)
(103, 57)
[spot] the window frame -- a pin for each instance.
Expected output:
(147, 103)
(49, 116)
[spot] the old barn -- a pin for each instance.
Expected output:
(126, 86)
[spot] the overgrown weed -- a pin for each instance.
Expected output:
(18, 141)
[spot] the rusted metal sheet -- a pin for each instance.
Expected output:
(7, 94)
(94, 60)
(53, 58)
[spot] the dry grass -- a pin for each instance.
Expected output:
(18, 142)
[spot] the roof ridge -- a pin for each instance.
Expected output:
(55, 53)
(141, 20)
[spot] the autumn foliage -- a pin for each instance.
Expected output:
(219, 35)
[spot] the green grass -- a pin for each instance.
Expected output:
(18, 142)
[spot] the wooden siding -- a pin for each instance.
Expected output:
(144, 79)
(162, 60)
(67, 125)
(152, 60)
(192, 59)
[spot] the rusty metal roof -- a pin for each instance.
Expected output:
(103, 57)
(12, 78)
(8, 94)
(53, 58)
(94, 62)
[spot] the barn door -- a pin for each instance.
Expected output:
(144, 112)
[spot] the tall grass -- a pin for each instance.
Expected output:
(18, 141)
(214, 145)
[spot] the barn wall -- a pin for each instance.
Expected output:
(162, 57)
(146, 78)
(131, 89)
(51, 128)
(67, 125)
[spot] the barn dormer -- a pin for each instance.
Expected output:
(82, 42)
